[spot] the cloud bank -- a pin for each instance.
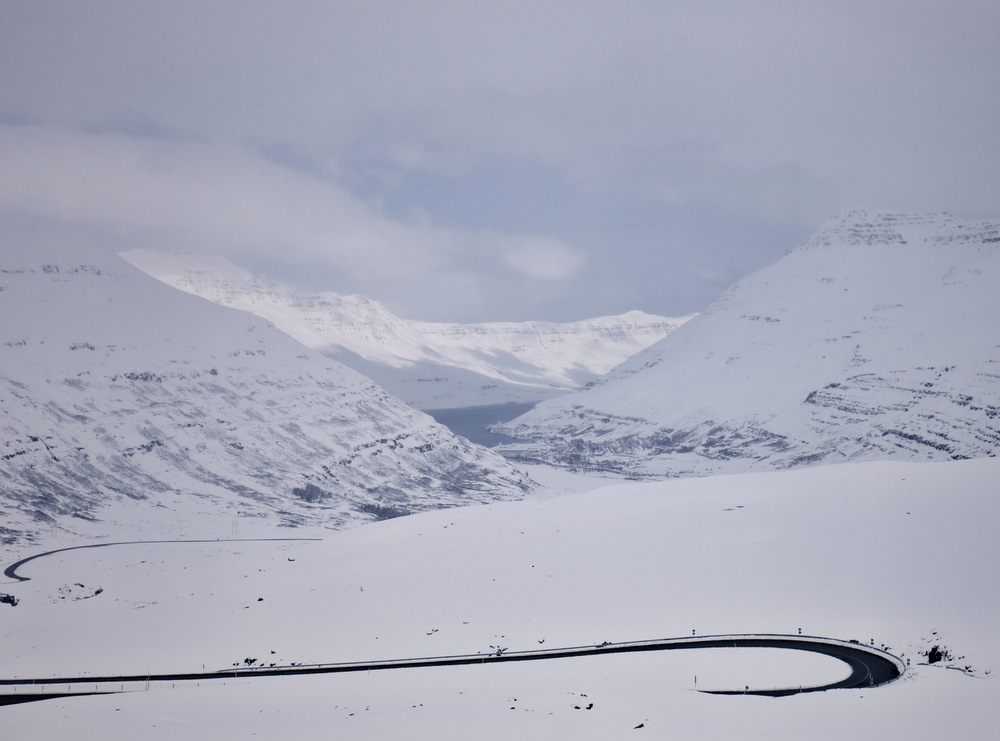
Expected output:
(226, 200)
(547, 156)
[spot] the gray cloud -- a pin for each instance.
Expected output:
(169, 196)
(308, 131)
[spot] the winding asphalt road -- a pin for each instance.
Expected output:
(11, 571)
(870, 667)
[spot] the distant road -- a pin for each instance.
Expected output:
(870, 667)
(11, 571)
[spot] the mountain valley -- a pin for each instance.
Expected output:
(428, 365)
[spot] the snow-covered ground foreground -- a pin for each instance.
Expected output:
(900, 553)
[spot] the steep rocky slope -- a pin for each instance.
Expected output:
(116, 389)
(429, 365)
(877, 339)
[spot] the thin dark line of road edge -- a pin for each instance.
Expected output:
(11, 571)
(870, 667)
(35, 697)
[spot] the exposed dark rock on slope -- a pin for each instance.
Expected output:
(116, 390)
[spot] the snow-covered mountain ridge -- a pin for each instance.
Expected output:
(878, 338)
(429, 365)
(116, 390)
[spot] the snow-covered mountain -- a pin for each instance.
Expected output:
(877, 339)
(428, 365)
(118, 391)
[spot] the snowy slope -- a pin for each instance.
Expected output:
(116, 388)
(429, 365)
(895, 553)
(877, 339)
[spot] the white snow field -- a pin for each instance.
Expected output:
(900, 554)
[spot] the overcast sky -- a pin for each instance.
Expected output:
(498, 160)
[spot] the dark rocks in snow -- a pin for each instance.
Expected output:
(107, 400)
(311, 493)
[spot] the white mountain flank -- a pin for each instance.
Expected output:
(426, 364)
(877, 339)
(116, 389)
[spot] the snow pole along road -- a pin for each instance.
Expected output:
(870, 667)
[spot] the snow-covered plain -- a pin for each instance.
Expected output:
(902, 554)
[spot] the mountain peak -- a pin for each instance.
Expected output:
(872, 340)
(867, 227)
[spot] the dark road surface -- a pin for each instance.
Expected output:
(870, 667)
(11, 571)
